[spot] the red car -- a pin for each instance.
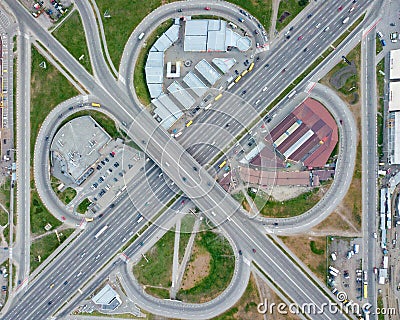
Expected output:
(299, 38)
(340, 8)
(207, 8)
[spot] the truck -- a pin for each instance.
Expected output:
(356, 248)
(385, 262)
(101, 231)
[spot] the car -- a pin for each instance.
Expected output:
(237, 72)
(112, 205)
(326, 29)
(340, 8)
(241, 20)
(195, 168)
(50, 302)
(207, 8)
(374, 235)
(254, 250)
(51, 286)
(106, 159)
(101, 215)
(288, 36)
(265, 89)
(266, 66)
(275, 224)
(112, 154)
(305, 49)
(392, 24)
(99, 167)
(103, 163)
(300, 38)
(19, 281)
(291, 28)
(256, 31)
(283, 70)
(318, 25)
(63, 218)
(183, 178)
(65, 283)
(309, 16)
(244, 92)
(179, 10)
(240, 252)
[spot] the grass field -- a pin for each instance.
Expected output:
(43, 247)
(65, 196)
(139, 79)
(125, 16)
(48, 88)
(288, 208)
(105, 122)
(294, 7)
(379, 46)
(72, 36)
(310, 250)
(40, 216)
(83, 206)
(261, 9)
(381, 83)
(158, 271)
(246, 307)
(222, 265)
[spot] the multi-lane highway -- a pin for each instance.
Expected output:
(187, 174)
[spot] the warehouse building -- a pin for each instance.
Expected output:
(394, 65)
(307, 135)
(212, 35)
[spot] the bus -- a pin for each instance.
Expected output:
(238, 78)
(189, 123)
(222, 164)
(244, 72)
(101, 231)
(251, 66)
(95, 104)
(365, 291)
(231, 85)
(218, 97)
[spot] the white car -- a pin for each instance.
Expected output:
(265, 88)
(318, 25)
(326, 29)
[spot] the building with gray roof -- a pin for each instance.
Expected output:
(166, 110)
(224, 64)
(108, 298)
(194, 83)
(154, 68)
(207, 71)
(181, 95)
(212, 35)
(76, 146)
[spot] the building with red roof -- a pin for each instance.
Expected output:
(307, 135)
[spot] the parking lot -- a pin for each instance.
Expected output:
(345, 255)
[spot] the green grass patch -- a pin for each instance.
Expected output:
(380, 124)
(285, 209)
(40, 216)
(380, 306)
(294, 7)
(222, 265)
(125, 16)
(3, 217)
(315, 249)
(48, 88)
(65, 196)
(158, 292)
(116, 316)
(83, 206)
(104, 121)
(379, 46)
(139, 76)
(158, 270)
(44, 247)
(72, 36)
(260, 9)
(6, 233)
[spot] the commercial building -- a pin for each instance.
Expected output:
(76, 146)
(394, 96)
(212, 35)
(307, 135)
(207, 72)
(107, 298)
(154, 68)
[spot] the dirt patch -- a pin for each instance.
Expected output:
(283, 193)
(197, 269)
(305, 248)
